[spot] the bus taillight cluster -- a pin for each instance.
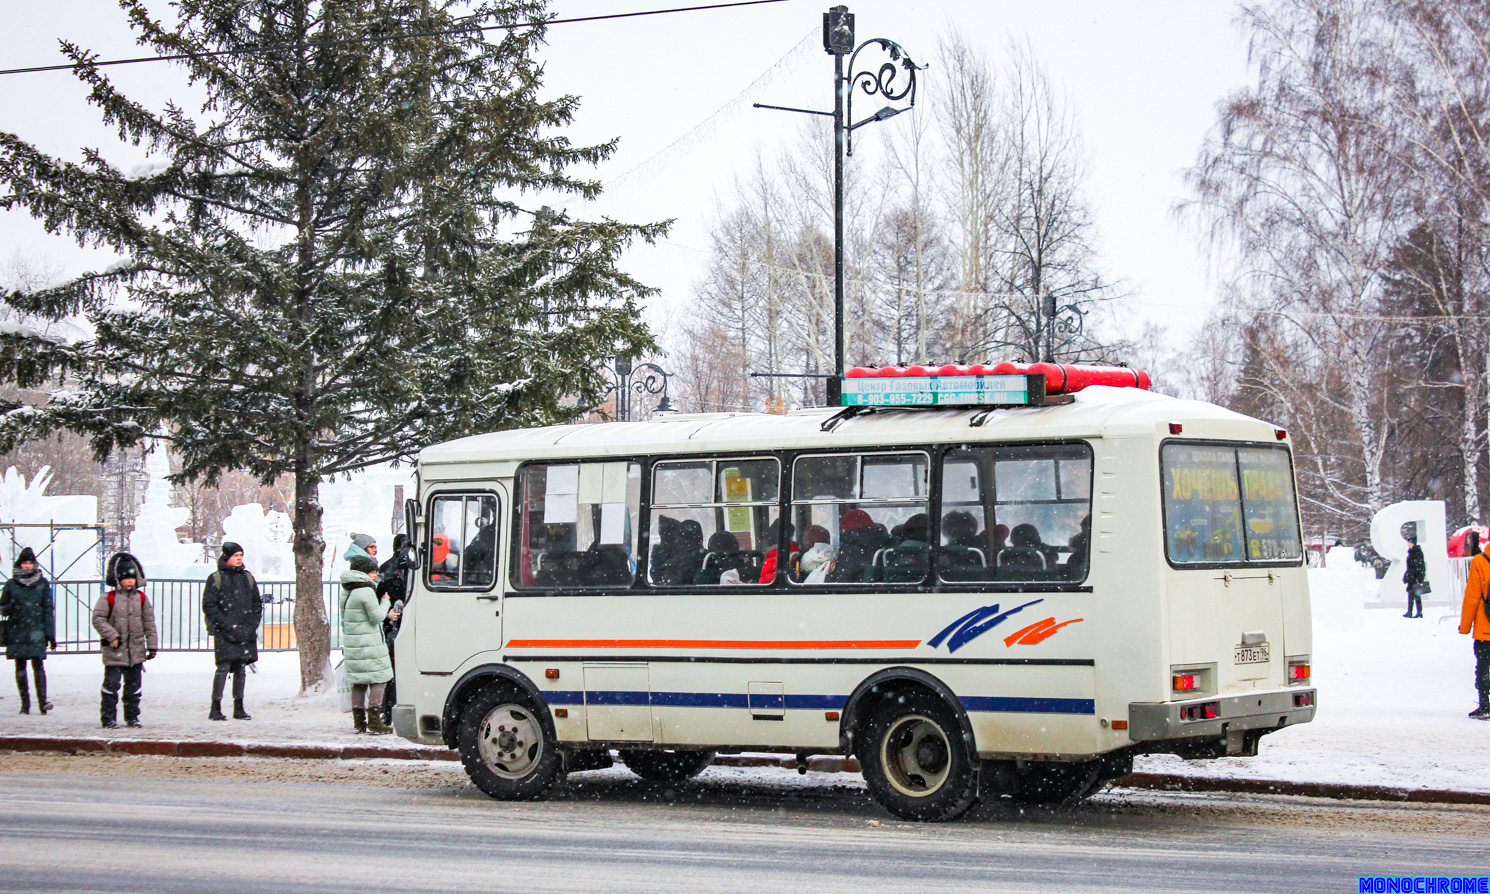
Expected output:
(1206, 711)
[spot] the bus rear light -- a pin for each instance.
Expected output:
(1184, 682)
(1298, 673)
(1175, 428)
(1281, 434)
(1303, 699)
(1207, 711)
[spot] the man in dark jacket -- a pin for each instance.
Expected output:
(1416, 574)
(393, 583)
(125, 621)
(30, 626)
(234, 608)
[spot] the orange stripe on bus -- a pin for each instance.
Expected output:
(711, 644)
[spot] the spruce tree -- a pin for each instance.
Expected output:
(338, 258)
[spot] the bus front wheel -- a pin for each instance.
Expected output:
(915, 760)
(667, 766)
(505, 748)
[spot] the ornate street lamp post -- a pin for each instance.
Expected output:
(630, 383)
(885, 81)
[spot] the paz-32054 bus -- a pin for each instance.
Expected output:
(1008, 592)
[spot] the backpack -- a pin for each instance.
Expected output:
(110, 594)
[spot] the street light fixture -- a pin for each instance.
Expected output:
(885, 81)
(633, 382)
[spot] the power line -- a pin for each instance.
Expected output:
(269, 48)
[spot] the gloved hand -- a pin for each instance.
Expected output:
(52, 644)
(149, 655)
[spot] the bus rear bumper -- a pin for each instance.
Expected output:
(1239, 720)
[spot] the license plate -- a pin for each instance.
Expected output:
(1252, 654)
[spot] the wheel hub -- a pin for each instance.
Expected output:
(916, 755)
(511, 741)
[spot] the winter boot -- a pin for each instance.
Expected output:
(25, 701)
(1483, 711)
(359, 719)
(216, 712)
(238, 712)
(375, 724)
(41, 690)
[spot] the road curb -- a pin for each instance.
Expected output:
(1172, 782)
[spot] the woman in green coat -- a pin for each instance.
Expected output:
(30, 626)
(364, 652)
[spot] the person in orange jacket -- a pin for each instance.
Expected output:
(1475, 619)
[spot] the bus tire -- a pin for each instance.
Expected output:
(915, 760)
(505, 746)
(1055, 784)
(667, 766)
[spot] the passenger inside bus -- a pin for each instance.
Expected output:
(773, 537)
(724, 556)
(440, 566)
(481, 552)
(1025, 552)
(859, 538)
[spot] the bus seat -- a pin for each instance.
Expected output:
(1019, 559)
(901, 564)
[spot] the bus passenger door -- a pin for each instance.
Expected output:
(458, 611)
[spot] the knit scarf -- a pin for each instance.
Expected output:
(28, 578)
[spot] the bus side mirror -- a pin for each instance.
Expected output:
(411, 527)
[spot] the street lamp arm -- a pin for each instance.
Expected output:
(761, 105)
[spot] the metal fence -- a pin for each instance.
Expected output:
(178, 614)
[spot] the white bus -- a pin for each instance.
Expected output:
(1008, 602)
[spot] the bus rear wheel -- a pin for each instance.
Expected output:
(915, 759)
(505, 746)
(667, 766)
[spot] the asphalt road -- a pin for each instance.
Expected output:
(167, 825)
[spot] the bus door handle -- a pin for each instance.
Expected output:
(490, 598)
(1227, 578)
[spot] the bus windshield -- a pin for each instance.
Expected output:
(1229, 504)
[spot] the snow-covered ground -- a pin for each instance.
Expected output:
(1393, 698)
(177, 693)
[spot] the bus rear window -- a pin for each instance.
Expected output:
(1228, 504)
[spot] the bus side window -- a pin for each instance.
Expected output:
(463, 540)
(861, 518)
(1016, 513)
(709, 522)
(577, 525)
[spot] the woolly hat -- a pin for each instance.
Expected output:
(122, 566)
(230, 549)
(363, 540)
(364, 565)
(27, 555)
(856, 520)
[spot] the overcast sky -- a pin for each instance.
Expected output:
(1144, 78)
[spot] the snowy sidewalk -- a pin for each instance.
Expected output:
(177, 693)
(1392, 703)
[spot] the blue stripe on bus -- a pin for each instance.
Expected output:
(999, 704)
(700, 700)
(1016, 705)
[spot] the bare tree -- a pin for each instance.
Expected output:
(1299, 183)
